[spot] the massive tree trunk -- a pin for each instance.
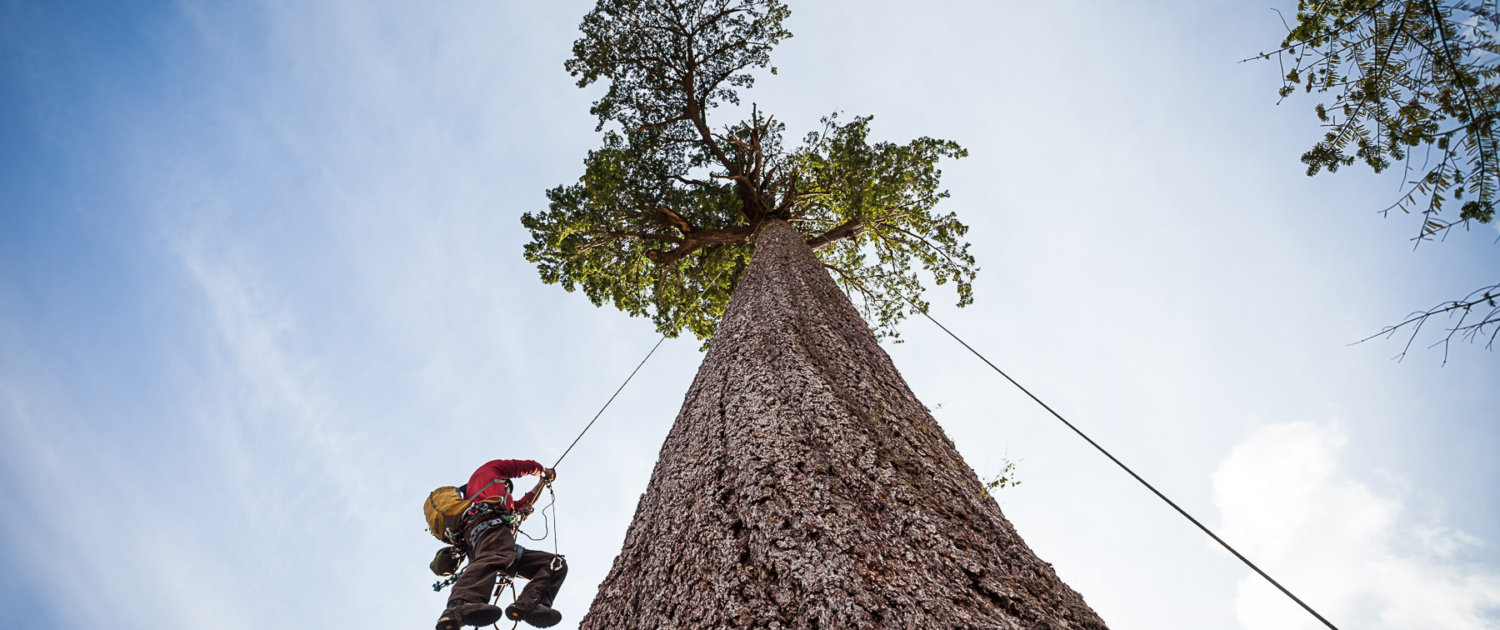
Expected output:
(804, 486)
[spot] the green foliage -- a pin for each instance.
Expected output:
(666, 61)
(1413, 81)
(1006, 478)
(890, 189)
(601, 235)
(662, 222)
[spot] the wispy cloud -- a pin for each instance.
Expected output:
(1363, 559)
(125, 548)
(270, 384)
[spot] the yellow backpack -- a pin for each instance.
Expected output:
(445, 513)
(445, 509)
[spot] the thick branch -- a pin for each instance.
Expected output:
(702, 237)
(849, 229)
(695, 113)
(679, 223)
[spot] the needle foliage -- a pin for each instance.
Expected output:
(662, 223)
(1415, 84)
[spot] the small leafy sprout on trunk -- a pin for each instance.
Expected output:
(1006, 478)
(664, 219)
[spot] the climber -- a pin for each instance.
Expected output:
(486, 532)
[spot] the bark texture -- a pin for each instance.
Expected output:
(804, 486)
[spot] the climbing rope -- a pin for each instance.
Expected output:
(552, 505)
(607, 402)
(1127, 469)
(505, 582)
(590, 425)
(546, 523)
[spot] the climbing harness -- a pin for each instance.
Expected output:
(484, 526)
(1122, 465)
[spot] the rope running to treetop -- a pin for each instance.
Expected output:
(1127, 469)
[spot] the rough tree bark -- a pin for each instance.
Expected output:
(804, 486)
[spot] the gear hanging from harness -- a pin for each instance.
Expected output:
(476, 517)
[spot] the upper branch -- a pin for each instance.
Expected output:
(848, 229)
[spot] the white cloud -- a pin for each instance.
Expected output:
(1354, 555)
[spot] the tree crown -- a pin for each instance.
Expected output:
(662, 222)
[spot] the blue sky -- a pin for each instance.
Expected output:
(261, 289)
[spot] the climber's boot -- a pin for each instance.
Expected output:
(461, 613)
(543, 617)
(452, 618)
(533, 612)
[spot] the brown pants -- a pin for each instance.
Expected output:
(495, 552)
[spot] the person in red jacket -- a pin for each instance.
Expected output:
(488, 537)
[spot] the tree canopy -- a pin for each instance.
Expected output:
(1414, 82)
(663, 220)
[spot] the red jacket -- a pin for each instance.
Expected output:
(494, 474)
